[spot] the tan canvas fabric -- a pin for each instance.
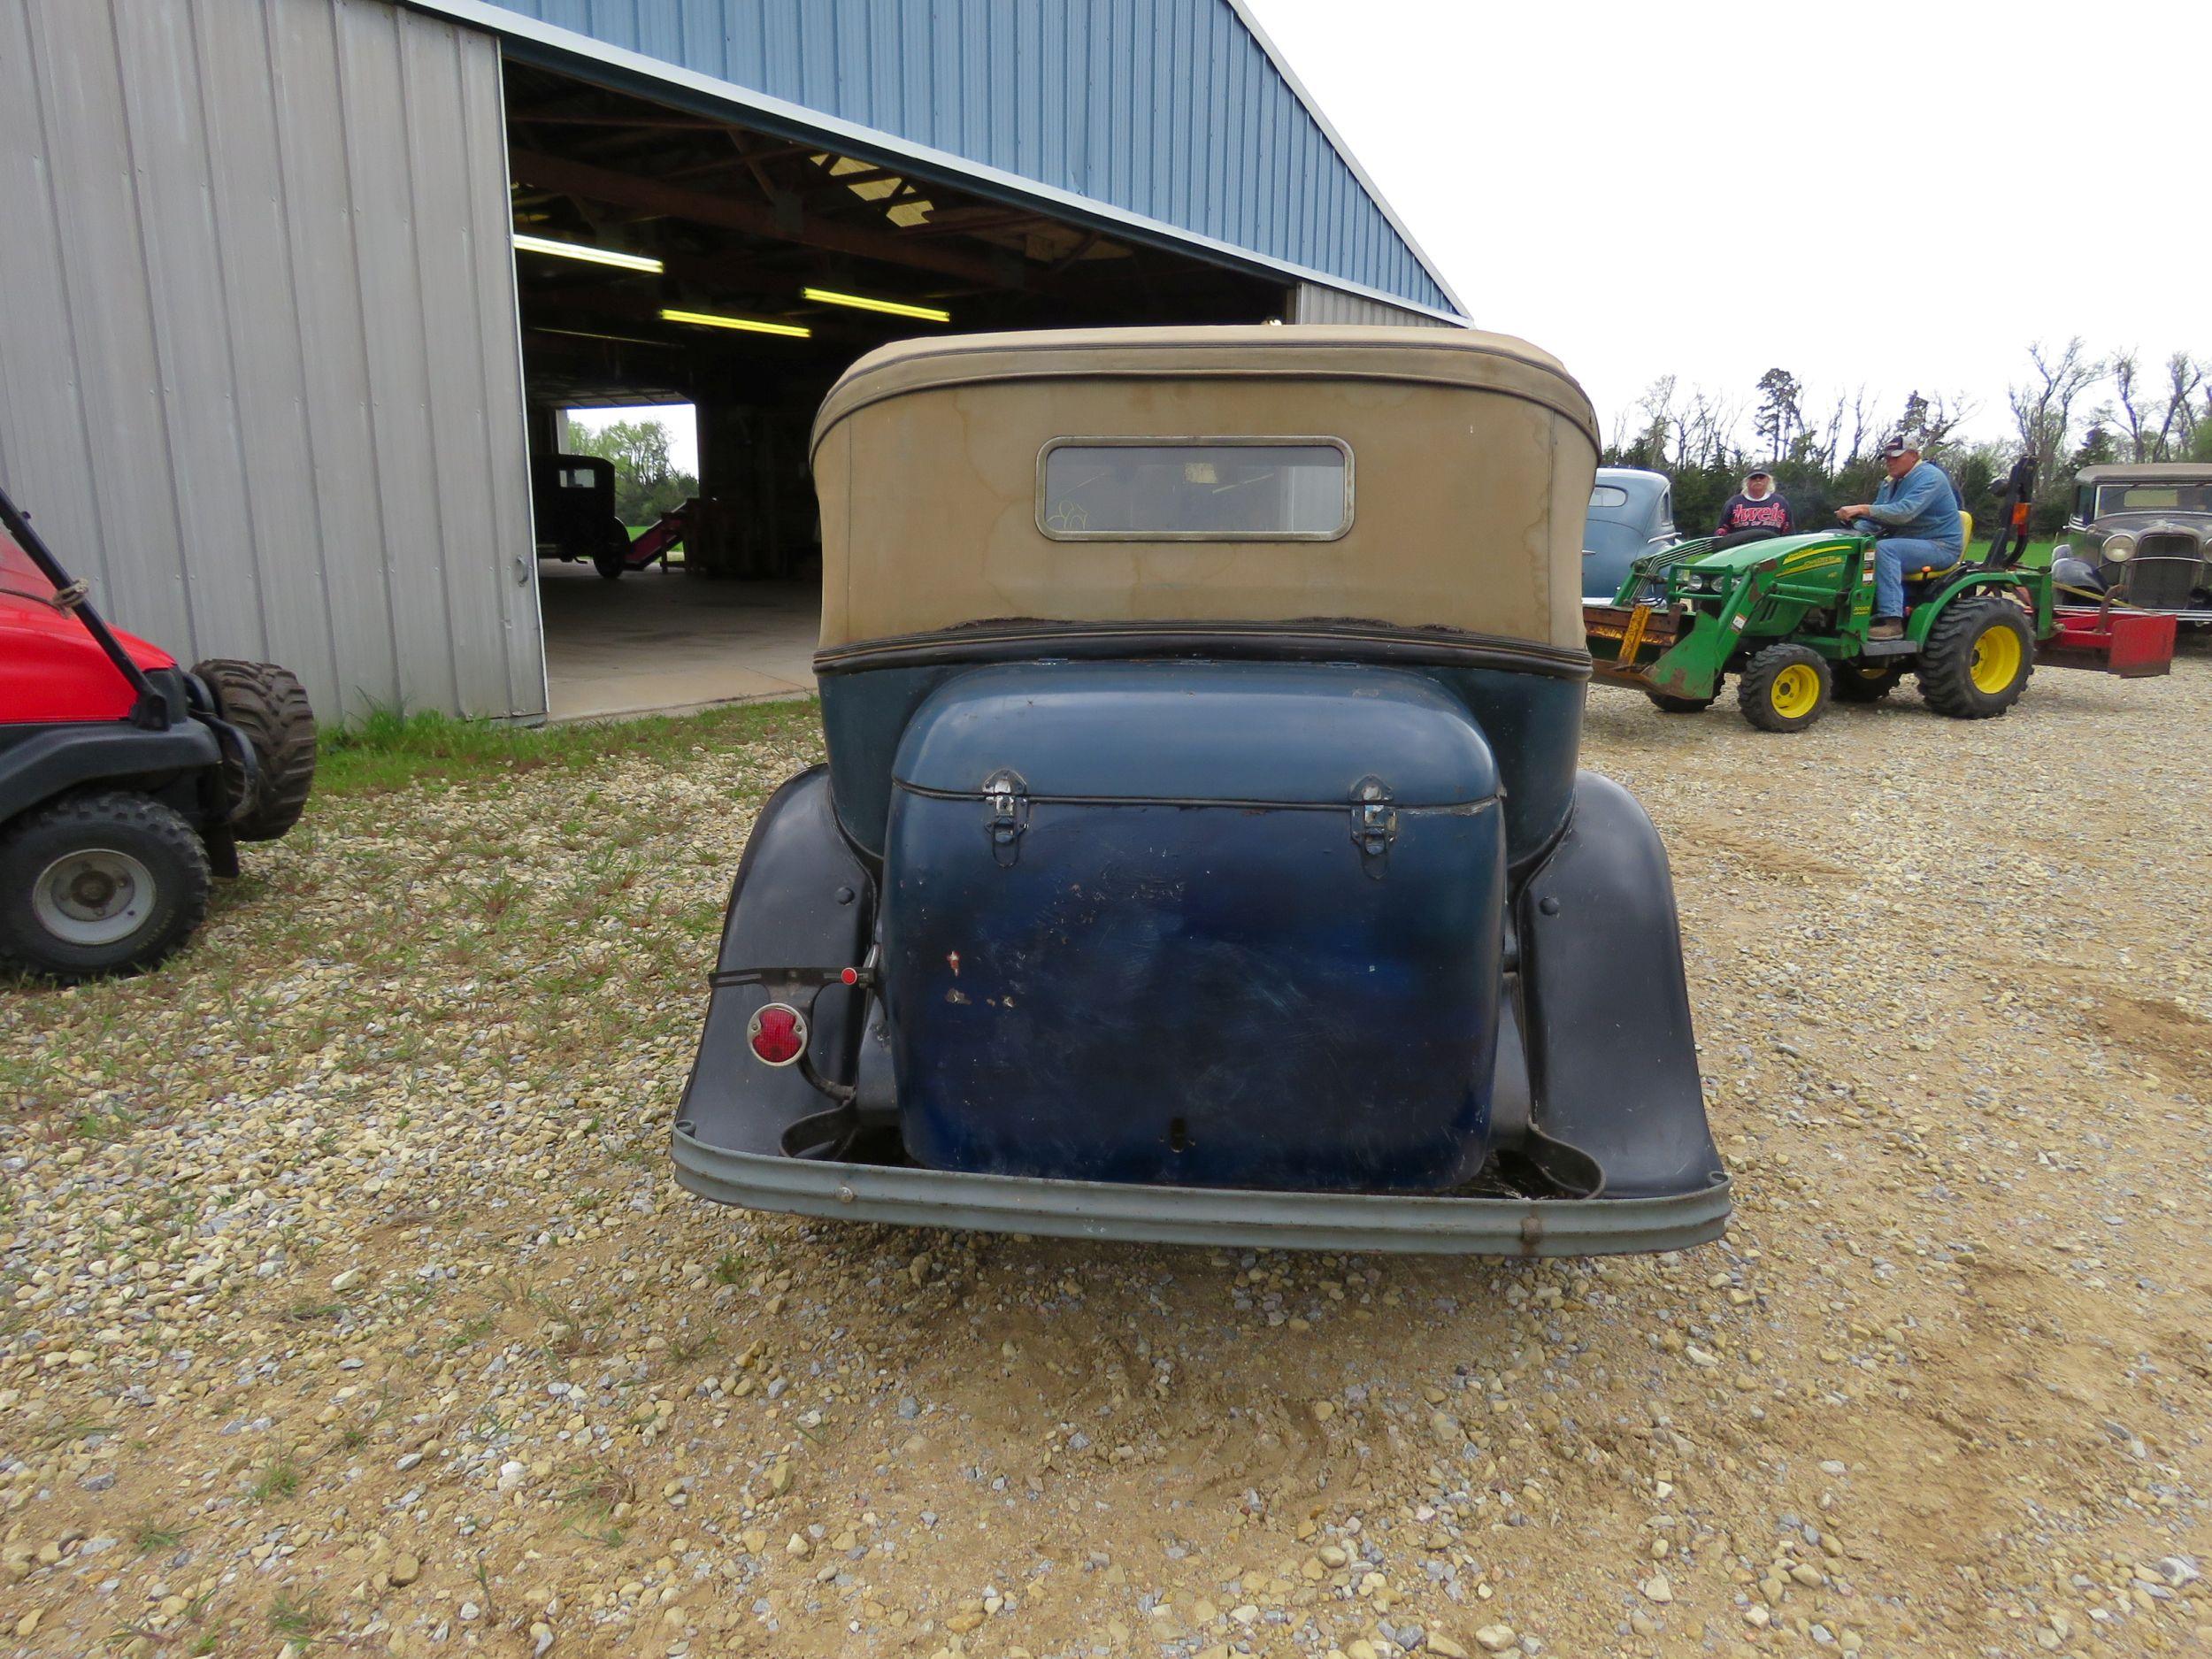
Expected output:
(1473, 456)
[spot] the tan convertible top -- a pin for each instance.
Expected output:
(1468, 473)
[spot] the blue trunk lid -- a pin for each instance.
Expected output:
(1209, 924)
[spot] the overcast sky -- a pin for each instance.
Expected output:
(1903, 195)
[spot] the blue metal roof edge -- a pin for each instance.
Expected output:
(558, 48)
(1344, 153)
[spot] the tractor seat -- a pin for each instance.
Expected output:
(1932, 572)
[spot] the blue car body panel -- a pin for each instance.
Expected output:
(1196, 924)
(1631, 511)
(1533, 723)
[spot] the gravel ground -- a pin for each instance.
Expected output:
(350, 1302)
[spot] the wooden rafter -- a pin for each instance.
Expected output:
(557, 173)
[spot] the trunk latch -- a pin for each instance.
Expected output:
(1374, 823)
(1006, 795)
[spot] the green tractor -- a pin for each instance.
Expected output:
(1790, 616)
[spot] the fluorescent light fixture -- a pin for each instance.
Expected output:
(750, 325)
(590, 255)
(890, 308)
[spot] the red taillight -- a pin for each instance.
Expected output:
(778, 1034)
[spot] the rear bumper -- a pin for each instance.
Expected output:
(1210, 1216)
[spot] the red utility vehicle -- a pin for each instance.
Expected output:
(126, 782)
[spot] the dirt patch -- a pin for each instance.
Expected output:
(1765, 854)
(2158, 1030)
(347, 1300)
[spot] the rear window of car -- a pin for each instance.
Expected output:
(1608, 495)
(1194, 489)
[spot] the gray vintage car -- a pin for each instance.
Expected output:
(1632, 513)
(2142, 532)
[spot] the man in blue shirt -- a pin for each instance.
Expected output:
(1915, 513)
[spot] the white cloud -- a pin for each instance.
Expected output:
(1902, 195)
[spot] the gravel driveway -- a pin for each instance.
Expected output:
(349, 1304)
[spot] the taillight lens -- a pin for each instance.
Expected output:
(777, 1035)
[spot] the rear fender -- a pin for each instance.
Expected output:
(2003, 582)
(802, 899)
(1612, 1058)
(44, 762)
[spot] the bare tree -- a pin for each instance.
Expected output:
(2177, 428)
(1706, 430)
(2043, 409)
(2161, 423)
(1859, 426)
(1831, 438)
(1944, 412)
(2127, 410)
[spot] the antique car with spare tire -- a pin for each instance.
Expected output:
(1202, 854)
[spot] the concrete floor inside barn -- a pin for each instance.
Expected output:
(659, 639)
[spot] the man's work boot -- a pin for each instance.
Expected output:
(1887, 628)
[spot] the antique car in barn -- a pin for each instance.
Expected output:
(1632, 513)
(572, 502)
(1202, 854)
(2142, 534)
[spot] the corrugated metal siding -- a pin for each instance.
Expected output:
(1310, 302)
(1170, 111)
(259, 377)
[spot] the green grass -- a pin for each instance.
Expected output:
(298, 1618)
(279, 1479)
(390, 750)
(2037, 558)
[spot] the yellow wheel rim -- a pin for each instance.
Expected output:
(1796, 692)
(1996, 663)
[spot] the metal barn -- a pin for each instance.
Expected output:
(294, 289)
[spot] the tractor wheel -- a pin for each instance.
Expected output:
(1667, 703)
(98, 883)
(1785, 688)
(1977, 659)
(1866, 682)
(270, 706)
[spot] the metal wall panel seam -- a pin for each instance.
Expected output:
(334, 702)
(410, 108)
(346, 117)
(163, 366)
(497, 234)
(315, 175)
(431, 68)
(230, 343)
(482, 616)
(86, 550)
(238, 114)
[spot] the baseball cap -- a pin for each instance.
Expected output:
(1900, 443)
(1759, 471)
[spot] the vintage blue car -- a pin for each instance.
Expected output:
(1632, 513)
(1201, 854)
